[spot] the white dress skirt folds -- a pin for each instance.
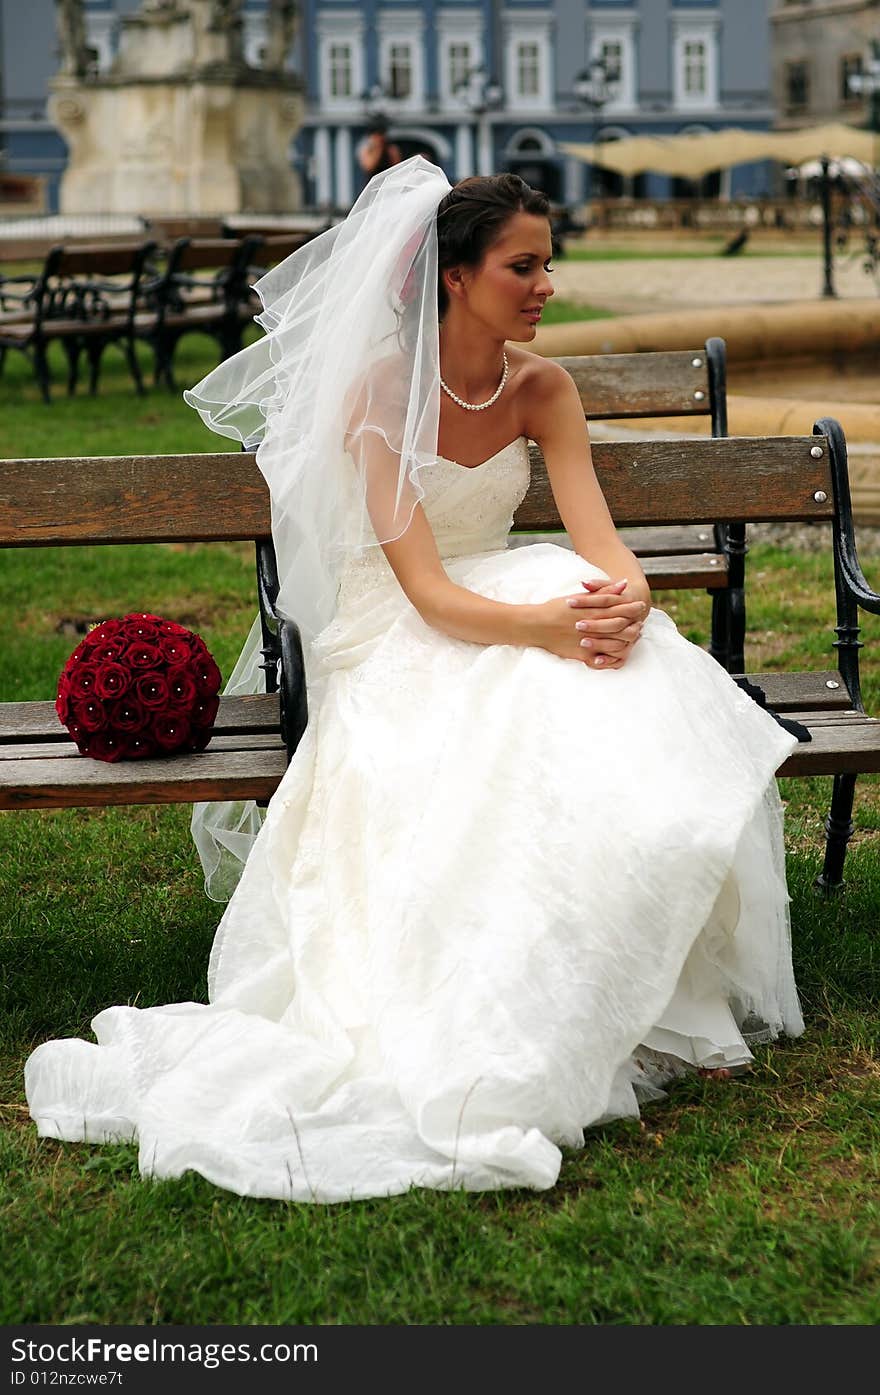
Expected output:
(498, 897)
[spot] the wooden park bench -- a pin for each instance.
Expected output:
(85, 298)
(205, 289)
(223, 497)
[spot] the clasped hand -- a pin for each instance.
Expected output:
(603, 629)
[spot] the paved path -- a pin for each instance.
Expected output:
(634, 287)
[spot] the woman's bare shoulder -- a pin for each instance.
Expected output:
(538, 375)
(546, 392)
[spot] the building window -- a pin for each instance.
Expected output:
(528, 75)
(458, 57)
(797, 86)
(850, 66)
(614, 44)
(400, 71)
(611, 53)
(694, 64)
(340, 70)
(528, 69)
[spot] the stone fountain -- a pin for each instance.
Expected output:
(180, 124)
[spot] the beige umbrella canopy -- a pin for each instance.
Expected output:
(835, 140)
(693, 155)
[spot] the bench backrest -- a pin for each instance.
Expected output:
(98, 260)
(203, 254)
(686, 383)
(74, 281)
(170, 229)
(222, 497)
(275, 248)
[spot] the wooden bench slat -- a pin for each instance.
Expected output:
(649, 542)
(65, 750)
(615, 386)
(221, 497)
(57, 784)
(707, 569)
(735, 479)
(803, 692)
(38, 721)
(835, 749)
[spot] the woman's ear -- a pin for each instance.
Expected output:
(453, 281)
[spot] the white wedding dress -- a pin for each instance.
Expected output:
(498, 897)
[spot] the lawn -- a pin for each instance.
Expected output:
(752, 1202)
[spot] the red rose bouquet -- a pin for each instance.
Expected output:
(139, 686)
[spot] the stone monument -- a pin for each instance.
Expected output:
(180, 124)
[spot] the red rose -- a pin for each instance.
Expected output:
(62, 702)
(171, 627)
(207, 676)
(152, 690)
(108, 745)
(89, 714)
(181, 687)
(137, 747)
(142, 655)
(204, 711)
(83, 677)
(112, 681)
(104, 630)
(128, 715)
(79, 651)
(109, 650)
(175, 649)
(170, 731)
(142, 628)
(199, 738)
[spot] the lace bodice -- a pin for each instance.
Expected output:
(470, 510)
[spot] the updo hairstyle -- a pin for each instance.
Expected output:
(472, 215)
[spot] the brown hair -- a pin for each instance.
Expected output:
(471, 216)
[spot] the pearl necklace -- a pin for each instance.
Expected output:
(479, 406)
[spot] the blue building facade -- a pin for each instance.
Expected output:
(485, 85)
(476, 85)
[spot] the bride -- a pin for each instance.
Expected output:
(526, 864)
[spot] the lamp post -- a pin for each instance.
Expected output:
(481, 94)
(595, 86)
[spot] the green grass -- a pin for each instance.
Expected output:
(557, 312)
(754, 1202)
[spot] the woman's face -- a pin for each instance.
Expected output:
(508, 290)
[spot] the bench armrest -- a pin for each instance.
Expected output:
(846, 557)
(294, 702)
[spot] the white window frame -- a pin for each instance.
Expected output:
(448, 87)
(456, 28)
(525, 28)
(619, 30)
(341, 28)
(686, 32)
(401, 55)
(403, 27)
